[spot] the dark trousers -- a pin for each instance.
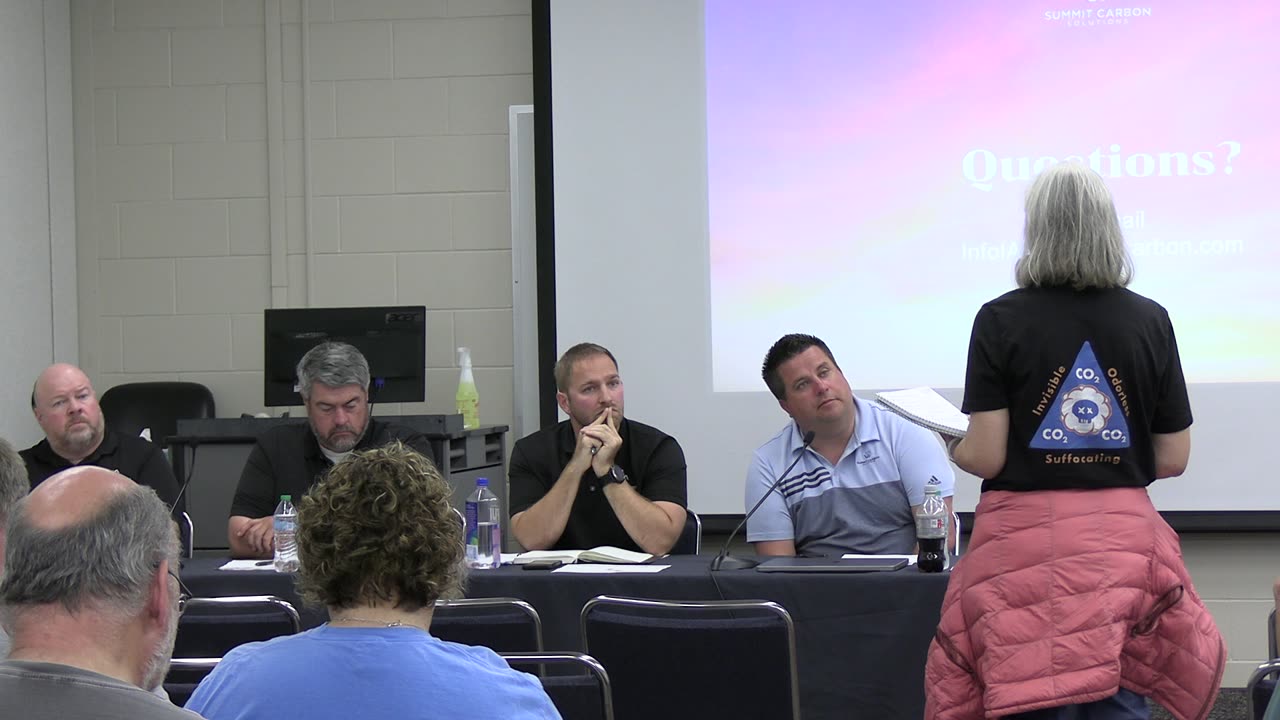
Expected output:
(1124, 705)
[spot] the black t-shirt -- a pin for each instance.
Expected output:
(652, 460)
(287, 460)
(131, 456)
(1087, 376)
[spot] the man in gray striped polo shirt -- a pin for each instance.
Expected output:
(855, 488)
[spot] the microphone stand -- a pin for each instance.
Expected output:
(725, 561)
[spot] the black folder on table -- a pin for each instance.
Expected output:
(831, 564)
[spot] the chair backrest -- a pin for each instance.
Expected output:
(690, 541)
(737, 658)
(130, 407)
(582, 695)
(500, 624)
(212, 626)
(184, 675)
(1260, 689)
(1261, 686)
(186, 535)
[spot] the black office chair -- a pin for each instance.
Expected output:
(500, 624)
(690, 540)
(582, 692)
(1262, 683)
(211, 626)
(130, 407)
(737, 658)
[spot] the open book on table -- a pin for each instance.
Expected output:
(926, 408)
(602, 554)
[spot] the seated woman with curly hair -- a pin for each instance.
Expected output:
(378, 544)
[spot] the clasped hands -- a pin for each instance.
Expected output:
(600, 442)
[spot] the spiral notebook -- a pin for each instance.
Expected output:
(926, 408)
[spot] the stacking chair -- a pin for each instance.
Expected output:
(500, 624)
(690, 540)
(1262, 683)
(186, 535)
(184, 675)
(736, 658)
(211, 626)
(581, 692)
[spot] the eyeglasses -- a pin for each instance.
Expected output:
(183, 593)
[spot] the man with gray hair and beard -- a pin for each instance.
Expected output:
(91, 600)
(333, 379)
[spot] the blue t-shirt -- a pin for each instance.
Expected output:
(863, 503)
(344, 673)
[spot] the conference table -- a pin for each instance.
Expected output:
(861, 638)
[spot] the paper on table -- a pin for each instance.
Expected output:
(602, 569)
(242, 565)
(911, 559)
(508, 558)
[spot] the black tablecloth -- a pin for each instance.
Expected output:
(861, 638)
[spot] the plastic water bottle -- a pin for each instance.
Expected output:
(286, 541)
(484, 528)
(932, 520)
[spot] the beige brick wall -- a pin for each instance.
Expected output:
(409, 164)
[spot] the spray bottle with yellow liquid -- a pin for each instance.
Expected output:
(468, 398)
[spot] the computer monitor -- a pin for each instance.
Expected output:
(392, 339)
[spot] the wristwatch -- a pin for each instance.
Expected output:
(615, 475)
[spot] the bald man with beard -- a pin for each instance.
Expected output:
(91, 601)
(66, 407)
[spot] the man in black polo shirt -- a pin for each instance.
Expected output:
(596, 478)
(333, 379)
(75, 433)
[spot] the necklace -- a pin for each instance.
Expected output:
(384, 623)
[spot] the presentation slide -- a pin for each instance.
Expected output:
(866, 155)
(729, 171)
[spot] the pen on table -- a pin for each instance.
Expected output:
(261, 563)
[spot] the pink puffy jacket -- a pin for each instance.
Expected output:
(1063, 597)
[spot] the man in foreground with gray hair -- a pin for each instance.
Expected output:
(13, 487)
(91, 600)
(333, 379)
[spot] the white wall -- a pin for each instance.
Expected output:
(37, 225)
(408, 176)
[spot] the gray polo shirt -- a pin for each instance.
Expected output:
(48, 691)
(862, 503)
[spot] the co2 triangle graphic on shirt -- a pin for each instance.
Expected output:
(1084, 414)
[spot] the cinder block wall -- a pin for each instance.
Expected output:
(408, 170)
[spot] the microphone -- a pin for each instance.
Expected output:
(177, 500)
(725, 561)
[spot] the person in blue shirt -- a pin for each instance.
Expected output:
(378, 544)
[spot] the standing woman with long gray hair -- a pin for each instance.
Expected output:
(1072, 600)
